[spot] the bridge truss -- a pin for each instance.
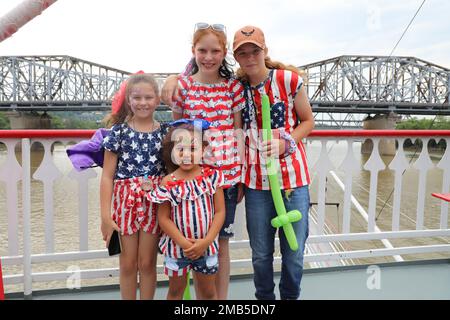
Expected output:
(342, 90)
(378, 84)
(58, 83)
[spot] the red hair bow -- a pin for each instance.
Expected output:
(119, 97)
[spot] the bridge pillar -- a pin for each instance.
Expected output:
(19, 120)
(380, 122)
(28, 120)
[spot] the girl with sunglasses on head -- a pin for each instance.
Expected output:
(132, 166)
(208, 91)
(191, 211)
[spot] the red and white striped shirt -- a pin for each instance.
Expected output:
(216, 103)
(281, 86)
(192, 209)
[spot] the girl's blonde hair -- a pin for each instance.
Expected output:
(125, 112)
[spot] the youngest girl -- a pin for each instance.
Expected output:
(191, 212)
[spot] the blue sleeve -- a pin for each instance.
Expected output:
(112, 141)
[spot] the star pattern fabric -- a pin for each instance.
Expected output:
(181, 266)
(216, 103)
(192, 209)
(277, 115)
(139, 152)
(281, 86)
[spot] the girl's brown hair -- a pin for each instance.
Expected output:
(168, 145)
(125, 112)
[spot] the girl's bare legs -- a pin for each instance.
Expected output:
(176, 287)
(205, 286)
(222, 278)
(223, 273)
(198, 295)
(128, 266)
(147, 254)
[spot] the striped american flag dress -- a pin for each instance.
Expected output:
(192, 209)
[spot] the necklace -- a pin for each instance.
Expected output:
(136, 129)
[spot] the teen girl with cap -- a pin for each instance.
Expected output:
(291, 120)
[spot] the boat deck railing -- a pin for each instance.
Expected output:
(16, 174)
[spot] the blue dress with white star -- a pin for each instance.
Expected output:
(139, 153)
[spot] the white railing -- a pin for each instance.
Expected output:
(18, 217)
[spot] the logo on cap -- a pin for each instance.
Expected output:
(247, 34)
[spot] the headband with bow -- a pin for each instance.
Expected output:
(197, 123)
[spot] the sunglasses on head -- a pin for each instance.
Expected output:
(216, 26)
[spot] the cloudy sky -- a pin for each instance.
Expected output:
(155, 36)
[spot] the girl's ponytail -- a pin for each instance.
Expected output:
(279, 65)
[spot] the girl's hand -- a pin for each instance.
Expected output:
(240, 195)
(107, 227)
(169, 92)
(197, 249)
(273, 148)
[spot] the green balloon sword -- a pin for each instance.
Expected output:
(284, 219)
(187, 289)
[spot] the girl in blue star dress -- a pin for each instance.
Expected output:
(132, 166)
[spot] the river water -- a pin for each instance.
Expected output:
(66, 225)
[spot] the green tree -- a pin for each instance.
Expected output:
(4, 121)
(438, 123)
(72, 122)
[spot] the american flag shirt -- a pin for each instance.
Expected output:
(139, 153)
(216, 103)
(192, 209)
(281, 86)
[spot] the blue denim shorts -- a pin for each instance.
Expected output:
(181, 266)
(230, 195)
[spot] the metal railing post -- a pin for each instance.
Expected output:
(26, 211)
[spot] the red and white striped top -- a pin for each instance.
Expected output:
(281, 86)
(192, 209)
(216, 103)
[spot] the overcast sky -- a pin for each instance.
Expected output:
(155, 36)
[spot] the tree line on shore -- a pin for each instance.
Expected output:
(72, 120)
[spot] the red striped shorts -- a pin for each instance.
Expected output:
(132, 211)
